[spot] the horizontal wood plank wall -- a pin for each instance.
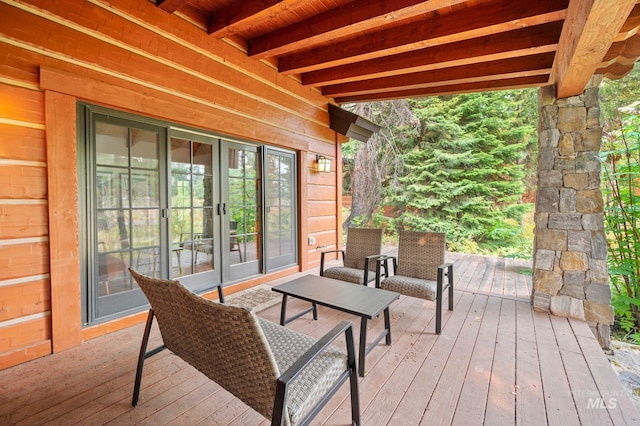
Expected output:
(321, 197)
(130, 56)
(25, 296)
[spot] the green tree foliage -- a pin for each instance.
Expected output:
(615, 94)
(621, 187)
(371, 168)
(466, 172)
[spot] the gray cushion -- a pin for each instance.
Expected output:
(314, 382)
(351, 275)
(414, 287)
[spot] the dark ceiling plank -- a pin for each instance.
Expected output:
(590, 29)
(237, 11)
(483, 86)
(502, 69)
(341, 21)
(170, 6)
(503, 15)
(521, 42)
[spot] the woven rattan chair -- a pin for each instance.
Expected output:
(285, 376)
(419, 270)
(363, 247)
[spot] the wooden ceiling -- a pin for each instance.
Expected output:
(365, 50)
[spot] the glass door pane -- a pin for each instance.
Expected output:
(242, 210)
(281, 211)
(127, 200)
(194, 237)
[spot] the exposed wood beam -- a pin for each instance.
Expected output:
(477, 21)
(515, 83)
(631, 25)
(342, 21)
(522, 42)
(621, 58)
(237, 11)
(615, 71)
(495, 70)
(170, 6)
(589, 30)
(624, 52)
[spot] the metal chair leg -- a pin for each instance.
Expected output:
(353, 378)
(142, 356)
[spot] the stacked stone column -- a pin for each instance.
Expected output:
(570, 276)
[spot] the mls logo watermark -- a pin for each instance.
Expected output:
(606, 403)
(597, 400)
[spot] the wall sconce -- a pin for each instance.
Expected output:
(323, 164)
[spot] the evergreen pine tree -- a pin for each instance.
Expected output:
(465, 175)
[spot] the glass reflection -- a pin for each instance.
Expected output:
(192, 220)
(127, 200)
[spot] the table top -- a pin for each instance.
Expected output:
(347, 297)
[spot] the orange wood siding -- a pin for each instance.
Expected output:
(25, 292)
(22, 181)
(30, 141)
(23, 220)
(321, 208)
(21, 300)
(23, 258)
(131, 56)
(143, 58)
(21, 334)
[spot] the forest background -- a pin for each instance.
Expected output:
(466, 165)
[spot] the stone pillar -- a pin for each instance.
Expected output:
(570, 276)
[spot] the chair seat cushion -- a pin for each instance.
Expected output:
(414, 287)
(344, 273)
(312, 384)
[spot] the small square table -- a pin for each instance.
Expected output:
(365, 302)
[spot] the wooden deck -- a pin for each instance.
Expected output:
(496, 363)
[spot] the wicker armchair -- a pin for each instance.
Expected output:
(419, 270)
(363, 247)
(285, 376)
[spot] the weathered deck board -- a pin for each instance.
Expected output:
(470, 408)
(608, 384)
(496, 362)
(445, 396)
(501, 407)
(560, 407)
(529, 396)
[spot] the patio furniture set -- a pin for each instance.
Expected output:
(284, 375)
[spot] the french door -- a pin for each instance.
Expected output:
(194, 224)
(124, 202)
(281, 209)
(241, 210)
(179, 204)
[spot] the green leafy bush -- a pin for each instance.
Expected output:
(621, 187)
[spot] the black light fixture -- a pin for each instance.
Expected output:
(323, 164)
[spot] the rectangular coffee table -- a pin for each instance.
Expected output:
(365, 302)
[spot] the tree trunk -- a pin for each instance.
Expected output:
(365, 187)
